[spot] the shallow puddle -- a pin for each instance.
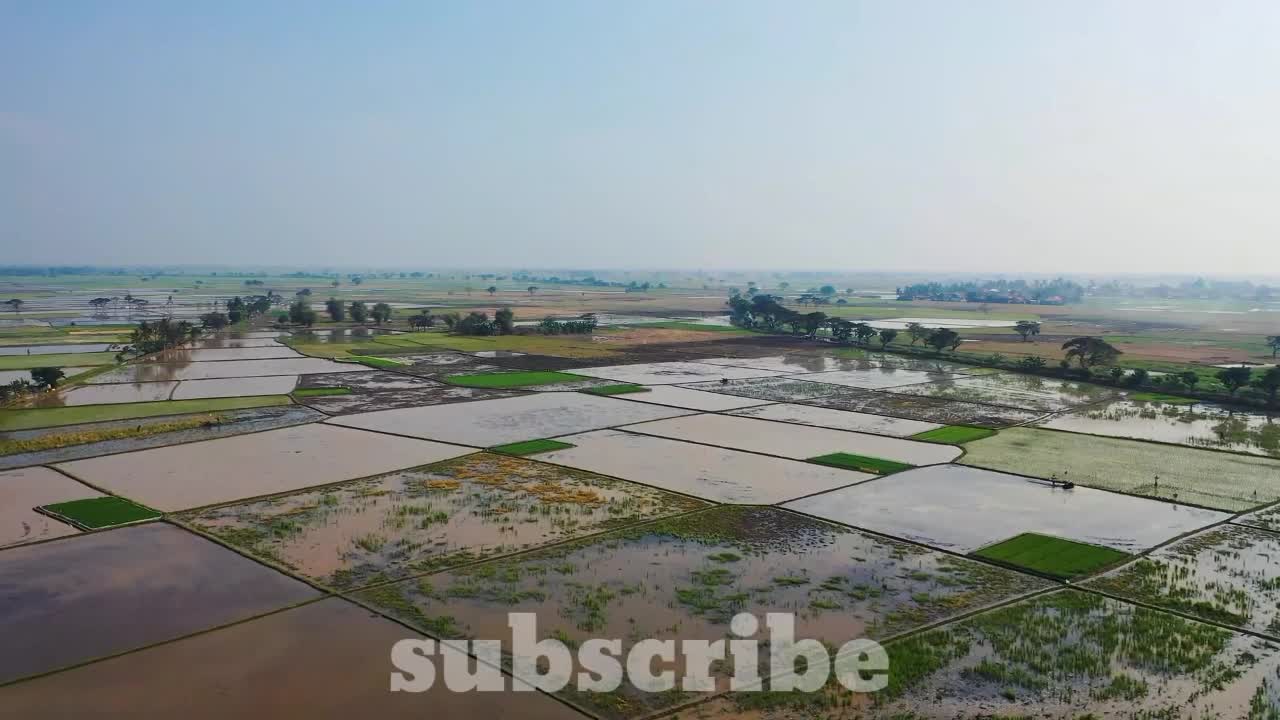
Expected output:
(95, 594)
(106, 394)
(415, 521)
(685, 578)
(235, 387)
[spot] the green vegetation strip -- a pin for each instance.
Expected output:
(529, 447)
(376, 362)
(1160, 397)
(52, 441)
(863, 463)
(26, 362)
(321, 391)
(1052, 556)
(954, 434)
(53, 417)
(99, 512)
(616, 389)
(512, 379)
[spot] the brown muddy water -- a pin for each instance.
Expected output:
(82, 597)
(23, 490)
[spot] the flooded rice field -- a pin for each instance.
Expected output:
(1229, 574)
(324, 659)
(235, 387)
(443, 363)
(184, 355)
(368, 381)
(837, 419)
(962, 509)
(496, 422)
(873, 378)
(1225, 481)
(1201, 425)
(233, 468)
(794, 364)
(799, 442)
(727, 476)
(771, 389)
(72, 442)
(1014, 390)
(671, 373)
(433, 394)
(107, 394)
(8, 376)
(415, 521)
(686, 577)
(148, 372)
(929, 365)
(926, 409)
(23, 490)
(681, 397)
(338, 335)
(95, 594)
(220, 342)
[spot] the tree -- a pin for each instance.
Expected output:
(1234, 378)
(1031, 363)
(475, 323)
(841, 329)
(1138, 377)
(1269, 383)
(1026, 328)
(504, 321)
(1117, 374)
(15, 305)
(1273, 342)
(300, 313)
(1090, 351)
(423, 319)
(333, 306)
(917, 332)
(887, 335)
(863, 332)
(359, 311)
(827, 290)
(491, 290)
(213, 320)
(1189, 378)
(532, 289)
(381, 313)
(46, 377)
(943, 338)
(236, 310)
(450, 319)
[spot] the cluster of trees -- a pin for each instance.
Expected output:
(42, 378)
(478, 323)
(765, 312)
(358, 310)
(584, 325)
(240, 309)
(162, 334)
(1056, 291)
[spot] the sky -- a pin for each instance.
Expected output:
(978, 136)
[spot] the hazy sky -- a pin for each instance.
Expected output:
(988, 136)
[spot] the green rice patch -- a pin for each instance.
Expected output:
(863, 463)
(623, 389)
(374, 361)
(1053, 556)
(25, 419)
(954, 434)
(1159, 397)
(530, 447)
(321, 391)
(512, 379)
(99, 512)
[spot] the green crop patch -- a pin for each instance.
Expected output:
(512, 379)
(321, 391)
(530, 447)
(99, 512)
(954, 434)
(374, 361)
(1053, 556)
(1160, 397)
(863, 463)
(623, 389)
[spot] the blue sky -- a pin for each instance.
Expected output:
(980, 136)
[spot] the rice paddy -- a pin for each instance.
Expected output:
(954, 434)
(1224, 481)
(530, 447)
(1053, 556)
(1029, 392)
(862, 463)
(99, 512)
(1197, 425)
(623, 389)
(59, 416)
(512, 379)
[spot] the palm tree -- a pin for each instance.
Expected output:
(1090, 351)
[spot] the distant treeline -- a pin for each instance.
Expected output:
(1058, 291)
